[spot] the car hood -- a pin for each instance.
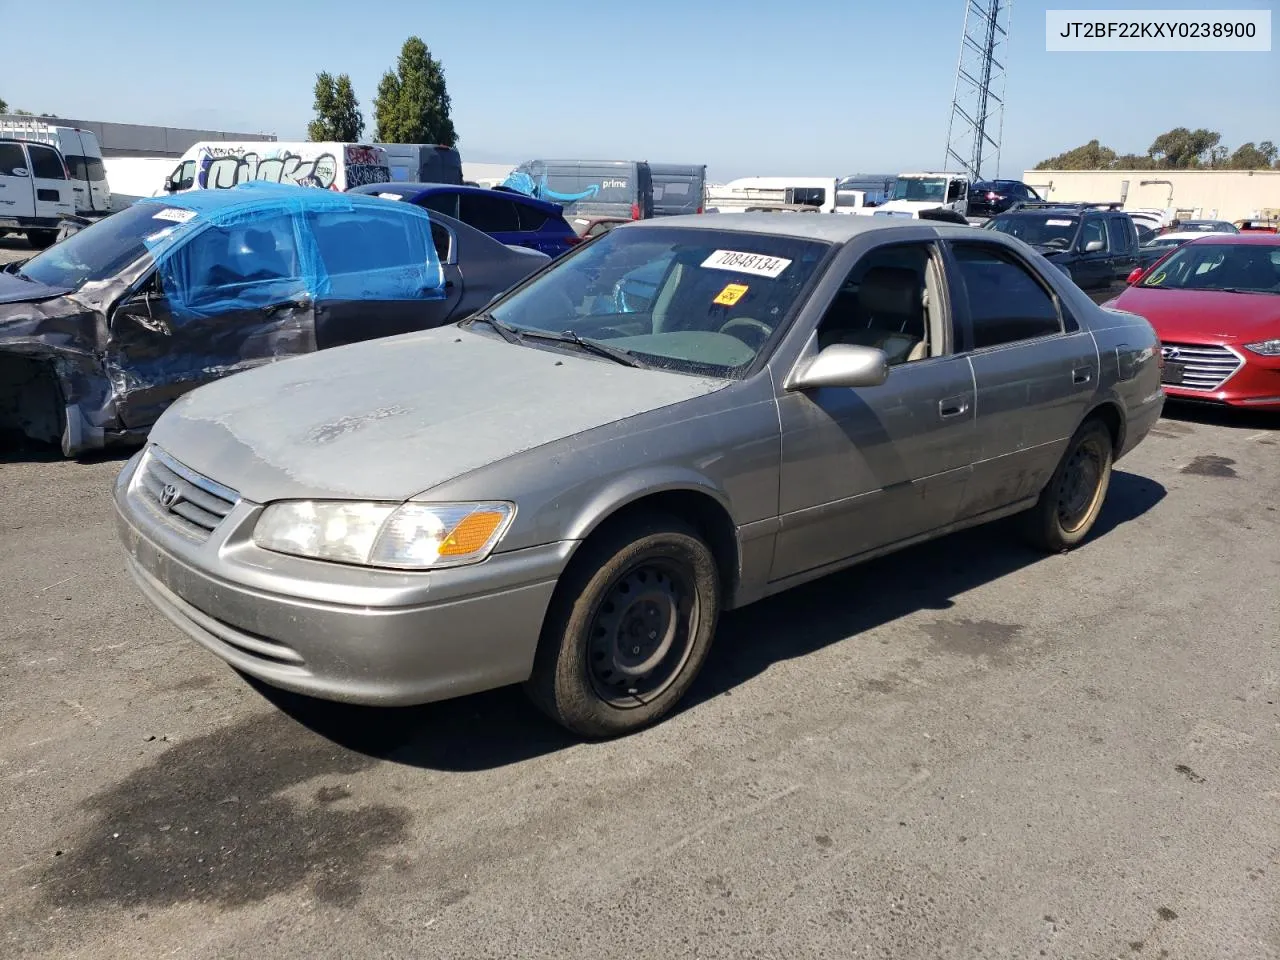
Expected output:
(390, 418)
(1205, 315)
(13, 289)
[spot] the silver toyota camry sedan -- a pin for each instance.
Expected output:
(679, 418)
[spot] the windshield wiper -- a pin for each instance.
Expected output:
(509, 333)
(625, 357)
(1238, 290)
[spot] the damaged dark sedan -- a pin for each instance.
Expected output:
(100, 333)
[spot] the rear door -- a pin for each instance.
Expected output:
(1035, 372)
(1122, 240)
(54, 194)
(367, 256)
(17, 195)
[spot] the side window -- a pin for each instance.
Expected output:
(488, 214)
(1117, 233)
(1006, 303)
(1093, 232)
(446, 203)
(443, 240)
(247, 266)
(812, 196)
(45, 163)
(77, 166)
(383, 254)
(955, 191)
(889, 300)
(531, 218)
(12, 158)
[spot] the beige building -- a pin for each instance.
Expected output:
(1212, 194)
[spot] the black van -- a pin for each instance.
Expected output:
(423, 163)
(596, 188)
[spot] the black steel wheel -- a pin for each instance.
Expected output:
(629, 627)
(1070, 503)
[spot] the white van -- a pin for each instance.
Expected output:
(913, 192)
(133, 178)
(80, 150)
(35, 191)
(330, 166)
(738, 195)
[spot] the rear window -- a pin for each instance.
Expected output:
(85, 168)
(446, 203)
(488, 214)
(531, 218)
(45, 163)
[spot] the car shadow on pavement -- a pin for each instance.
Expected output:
(1212, 415)
(498, 728)
(15, 448)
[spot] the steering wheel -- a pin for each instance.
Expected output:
(751, 323)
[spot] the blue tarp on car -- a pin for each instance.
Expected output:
(259, 244)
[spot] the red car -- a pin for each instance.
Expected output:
(1215, 304)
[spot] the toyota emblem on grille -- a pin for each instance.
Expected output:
(169, 496)
(1170, 353)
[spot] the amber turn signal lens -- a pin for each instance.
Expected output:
(471, 534)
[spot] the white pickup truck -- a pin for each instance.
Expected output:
(913, 192)
(36, 194)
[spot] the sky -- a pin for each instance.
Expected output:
(753, 87)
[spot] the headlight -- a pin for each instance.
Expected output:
(1267, 348)
(414, 536)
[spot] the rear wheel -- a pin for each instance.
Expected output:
(40, 239)
(1070, 504)
(629, 628)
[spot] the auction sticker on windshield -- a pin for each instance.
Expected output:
(731, 294)
(1058, 223)
(176, 214)
(757, 264)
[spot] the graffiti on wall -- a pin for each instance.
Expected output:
(223, 167)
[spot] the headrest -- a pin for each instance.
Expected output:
(890, 290)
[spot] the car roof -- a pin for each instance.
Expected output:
(829, 227)
(1255, 239)
(417, 189)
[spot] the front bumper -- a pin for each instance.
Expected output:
(1254, 386)
(334, 631)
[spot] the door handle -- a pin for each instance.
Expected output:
(953, 407)
(1081, 374)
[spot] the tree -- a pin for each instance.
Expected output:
(337, 110)
(412, 105)
(1091, 156)
(1181, 148)
(4, 107)
(1250, 157)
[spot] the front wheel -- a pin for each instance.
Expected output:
(628, 629)
(1070, 504)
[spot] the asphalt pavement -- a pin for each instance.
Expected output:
(967, 749)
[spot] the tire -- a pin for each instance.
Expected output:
(41, 239)
(1069, 505)
(650, 571)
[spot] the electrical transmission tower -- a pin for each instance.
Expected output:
(977, 105)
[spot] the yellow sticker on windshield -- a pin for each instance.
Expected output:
(1157, 279)
(731, 294)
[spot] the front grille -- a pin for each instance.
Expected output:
(184, 499)
(1195, 366)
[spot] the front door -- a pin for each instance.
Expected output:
(1034, 369)
(1093, 268)
(863, 468)
(227, 299)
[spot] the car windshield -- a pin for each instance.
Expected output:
(1237, 267)
(1165, 242)
(99, 251)
(690, 300)
(1038, 229)
(930, 189)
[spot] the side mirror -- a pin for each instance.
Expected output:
(841, 365)
(1093, 246)
(1135, 276)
